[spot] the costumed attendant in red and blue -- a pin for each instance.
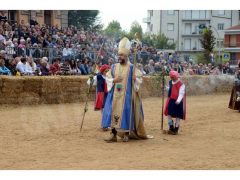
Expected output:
(176, 103)
(101, 88)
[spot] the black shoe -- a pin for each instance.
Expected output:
(176, 130)
(171, 130)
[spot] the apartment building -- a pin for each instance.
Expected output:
(184, 27)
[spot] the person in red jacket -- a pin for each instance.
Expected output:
(55, 67)
(176, 102)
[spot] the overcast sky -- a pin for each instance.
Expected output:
(124, 18)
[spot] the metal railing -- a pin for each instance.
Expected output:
(76, 53)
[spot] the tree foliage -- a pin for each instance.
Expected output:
(159, 41)
(87, 19)
(113, 29)
(135, 28)
(208, 42)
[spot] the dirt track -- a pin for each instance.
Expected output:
(47, 137)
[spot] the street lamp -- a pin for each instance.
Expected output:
(219, 42)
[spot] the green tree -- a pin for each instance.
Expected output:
(208, 42)
(87, 19)
(113, 29)
(135, 27)
(159, 41)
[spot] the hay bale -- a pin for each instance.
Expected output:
(51, 84)
(50, 98)
(12, 85)
(1, 83)
(32, 84)
(29, 98)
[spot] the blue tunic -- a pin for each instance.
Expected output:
(127, 108)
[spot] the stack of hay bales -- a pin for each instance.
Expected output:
(74, 89)
(195, 85)
(11, 88)
(50, 90)
(71, 89)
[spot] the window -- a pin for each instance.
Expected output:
(170, 12)
(207, 14)
(151, 13)
(188, 14)
(170, 27)
(188, 28)
(220, 43)
(221, 12)
(195, 14)
(151, 27)
(187, 44)
(201, 27)
(199, 44)
(220, 26)
(233, 40)
(202, 14)
(194, 45)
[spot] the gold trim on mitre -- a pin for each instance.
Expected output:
(124, 46)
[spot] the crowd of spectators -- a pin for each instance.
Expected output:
(34, 49)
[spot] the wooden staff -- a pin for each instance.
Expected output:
(89, 89)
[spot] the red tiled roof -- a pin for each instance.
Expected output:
(237, 27)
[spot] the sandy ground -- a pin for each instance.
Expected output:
(47, 137)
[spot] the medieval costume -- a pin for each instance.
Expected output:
(101, 88)
(123, 110)
(234, 102)
(176, 102)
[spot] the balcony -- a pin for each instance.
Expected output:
(193, 34)
(146, 20)
(232, 45)
(194, 49)
(200, 19)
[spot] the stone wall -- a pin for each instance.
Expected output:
(70, 89)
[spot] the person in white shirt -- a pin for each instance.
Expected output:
(21, 66)
(31, 66)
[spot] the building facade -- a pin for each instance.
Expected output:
(232, 43)
(185, 27)
(48, 17)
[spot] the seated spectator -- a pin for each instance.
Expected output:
(65, 67)
(33, 21)
(31, 66)
(83, 67)
(90, 67)
(55, 68)
(12, 66)
(200, 70)
(150, 67)
(3, 69)
(44, 71)
(74, 70)
(67, 52)
(3, 17)
(21, 66)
